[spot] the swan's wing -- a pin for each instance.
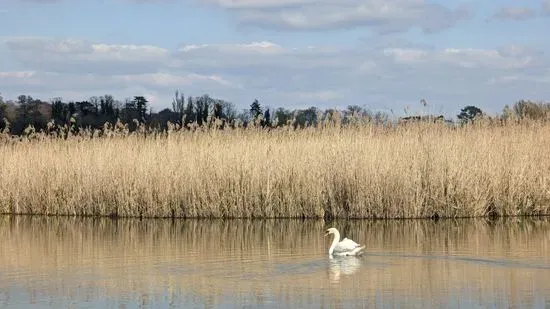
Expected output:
(348, 242)
(346, 245)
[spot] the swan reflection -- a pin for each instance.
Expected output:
(343, 266)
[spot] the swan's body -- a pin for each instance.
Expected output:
(344, 247)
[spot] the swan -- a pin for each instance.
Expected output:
(344, 247)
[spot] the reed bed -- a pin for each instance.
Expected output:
(358, 171)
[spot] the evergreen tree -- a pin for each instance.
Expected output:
(140, 103)
(109, 106)
(282, 116)
(218, 111)
(59, 111)
(255, 109)
(469, 113)
(71, 108)
(190, 115)
(267, 119)
(178, 105)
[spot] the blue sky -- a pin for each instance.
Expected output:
(385, 55)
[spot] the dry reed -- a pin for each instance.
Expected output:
(360, 171)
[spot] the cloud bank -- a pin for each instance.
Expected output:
(389, 77)
(514, 13)
(380, 15)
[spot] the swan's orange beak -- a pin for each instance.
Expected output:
(326, 233)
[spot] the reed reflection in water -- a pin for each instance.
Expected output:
(50, 262)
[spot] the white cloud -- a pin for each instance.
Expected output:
(508, 58)
(381, 15)
(514, 13)
(388, 76)
(322, 95)
(41, 1)
(263, 47)
(504, 79)
(407, 55)
(17, 75)
(484, 59)
(546, 6)
(258, 56)
(262, 4)
(70, 55)
(166, 80)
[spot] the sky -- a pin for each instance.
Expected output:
(385, 55)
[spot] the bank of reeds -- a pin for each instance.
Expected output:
(361, 171)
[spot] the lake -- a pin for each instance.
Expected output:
(50, 262)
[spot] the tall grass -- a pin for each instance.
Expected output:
(417, 170)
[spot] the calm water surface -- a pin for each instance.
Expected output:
(104, 263)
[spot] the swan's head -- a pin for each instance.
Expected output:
(330, 231)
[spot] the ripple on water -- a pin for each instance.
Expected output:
(55, 263)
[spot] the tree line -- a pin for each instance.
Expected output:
(17, 116)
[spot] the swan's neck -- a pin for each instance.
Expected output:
(335, 241)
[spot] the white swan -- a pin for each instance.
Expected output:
(344, 247)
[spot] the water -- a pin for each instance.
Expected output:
(104, 263)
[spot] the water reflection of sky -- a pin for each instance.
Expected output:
(87, 263)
